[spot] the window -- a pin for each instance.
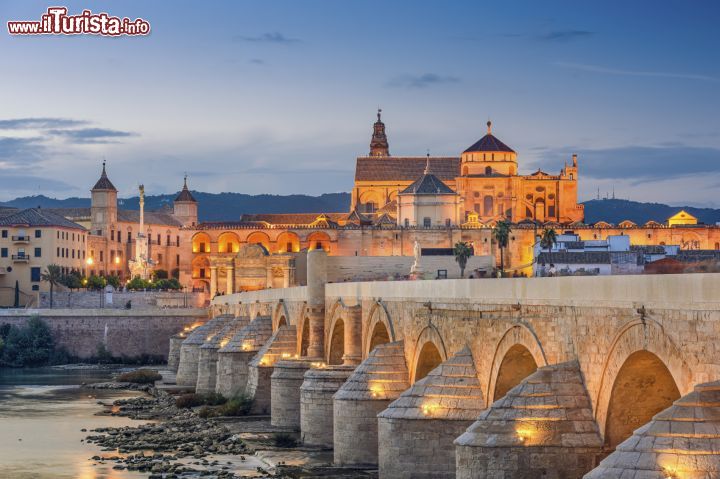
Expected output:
(488, 206)
(427, 222)
(38, 252)
(551, 211)
(488, 170)
(58, 234)
(35, 274)
(73, 253)
(35, 287)
(177, 260)
(158, 239)
(168, 240)
(119, 237)
(407, 222)
(3, 252)
(447, 222)
(58, 252)
(38, 233)
(177, 240)
(101, 256)
(129, 236)
(159, 258)
(202, 248)
(112, 235)
(202, 272)
(83, 254)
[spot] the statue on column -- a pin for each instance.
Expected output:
(417, 268)
(142, 265)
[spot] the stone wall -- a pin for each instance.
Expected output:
(138, 299)
(128, 333)
(369, 268)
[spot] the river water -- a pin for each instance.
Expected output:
(42, 412)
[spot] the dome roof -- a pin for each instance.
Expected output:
(428, 184)
(489, 143)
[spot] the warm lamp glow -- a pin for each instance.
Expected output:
(286, 355)
(117, 259)
(89, 261)
(246, 346)
(429, 409)
(524, 434)
(224, 342)
(318, 365)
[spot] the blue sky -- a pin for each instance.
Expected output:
(279, 97)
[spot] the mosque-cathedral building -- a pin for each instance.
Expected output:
(396, 201)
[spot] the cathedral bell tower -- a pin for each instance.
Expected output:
(185, 207)
(379, 143)
(103, 205)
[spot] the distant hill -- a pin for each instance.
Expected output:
(229, 206)
(615, 211)
(211, 206)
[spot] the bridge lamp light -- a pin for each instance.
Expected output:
(117, 259)
(89, 261)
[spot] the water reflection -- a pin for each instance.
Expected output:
(42, 413)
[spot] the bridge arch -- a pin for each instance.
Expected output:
(379, 328)
(429, 353)
(304, 336)
(650, 375)
(280, 316)
(517, 355)
(335, 338)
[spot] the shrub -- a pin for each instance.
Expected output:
(29, 345)
(113, 280)
(206, 412)
(175, 273)
(189, 400)
(284, 440)
(160, 274)
(140, 376)
(103, 355)
(214, 399)
(236, 406)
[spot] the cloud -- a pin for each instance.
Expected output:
(257, 61)
(272, 37)
(17, 152)
(39, 123)
(637, 163)
(635, 73)
(565, 35)
(421, 81)
(91, 135)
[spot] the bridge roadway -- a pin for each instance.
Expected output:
(483, 378)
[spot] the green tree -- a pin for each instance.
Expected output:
(548, 239)
(73, 280)
(501, 234)
(137, 283)
(16, 302)
(30, 345)
(96, 282)
(175, 273)
(160, 274)
(462, 252)
(113, 280)
(52, 275)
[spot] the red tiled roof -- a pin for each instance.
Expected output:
(405, 168)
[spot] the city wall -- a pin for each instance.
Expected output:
(128, 333)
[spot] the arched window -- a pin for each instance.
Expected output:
(488, 170)
(488, 206)
(717, 246)
(465, 171)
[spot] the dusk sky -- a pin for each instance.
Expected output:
(280, 97)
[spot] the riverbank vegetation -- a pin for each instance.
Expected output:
(29, 345)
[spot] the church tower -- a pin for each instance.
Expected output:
(185, 207)
(103, 205)
(379, 143)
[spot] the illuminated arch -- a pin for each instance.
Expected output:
(517, 364)
(201, 243)
(280, 316)
(336, 342)
(429, 353)
(518, 334)
(371, 201)
(228, 242)
(259, 237)
(304, 337)
(319, 240)
(638, 335)
(287, 242)
(379, 329)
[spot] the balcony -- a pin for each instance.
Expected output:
(21, 239)
(21, 258)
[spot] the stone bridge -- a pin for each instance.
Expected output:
(489, 378)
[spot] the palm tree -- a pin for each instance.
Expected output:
(462, 252)
(548, 240)
(501, 234)
(52, 275)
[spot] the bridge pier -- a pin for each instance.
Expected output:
(282, 344)
(316, 403)
(544, 427)
(417, 430)
(235, 356)
(285, 382)
(683, 441)
(174, 353)
(208, 355)
(187, 372)
(376, 382)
